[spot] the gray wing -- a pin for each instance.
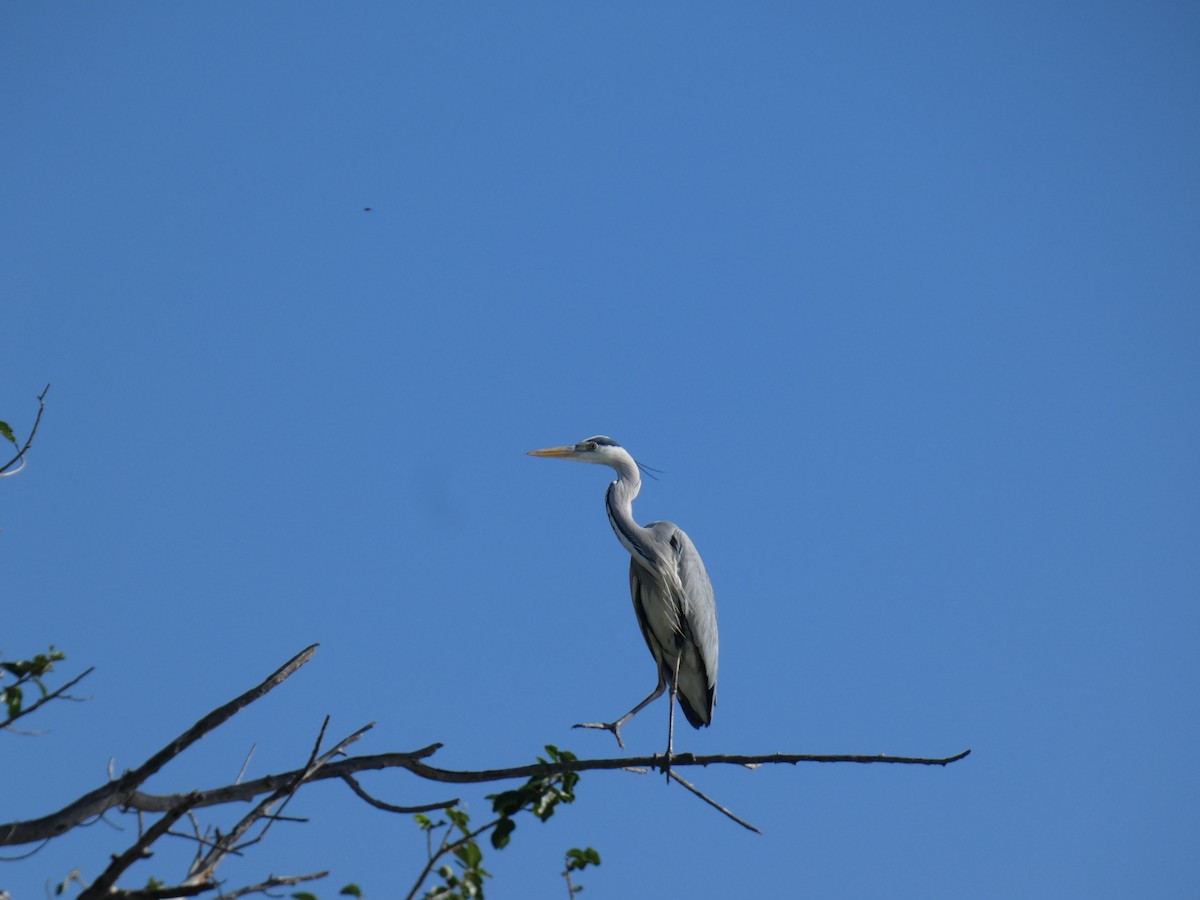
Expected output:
(678, 618)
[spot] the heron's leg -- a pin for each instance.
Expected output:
(671, 719)
(615, 727)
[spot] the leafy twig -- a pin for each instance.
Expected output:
(7, 433)
(577, 859)
(469, 858)
(46, 697)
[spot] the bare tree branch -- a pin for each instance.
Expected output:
(274, 881)
(117, 793)
(57, 823)
(656, 761)
(215, 719)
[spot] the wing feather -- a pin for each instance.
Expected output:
(678, 617)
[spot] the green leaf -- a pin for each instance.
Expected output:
(508, 803)
(304, 895)
(460, 818)
(581, 859)
(470, 854)
(544, 808)
(33, 668)
(7, 433)
(502, 832)
(12, 699)
(352, 890)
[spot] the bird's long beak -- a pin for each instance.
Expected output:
(554, 452)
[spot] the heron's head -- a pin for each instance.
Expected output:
(599, 449)
(605, 451)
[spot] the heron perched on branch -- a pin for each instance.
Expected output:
(672, 596)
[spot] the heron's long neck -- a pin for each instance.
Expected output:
(619, 503)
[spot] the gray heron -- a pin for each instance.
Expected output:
(672, 596)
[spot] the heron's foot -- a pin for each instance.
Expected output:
(664, 765)
(614, 727)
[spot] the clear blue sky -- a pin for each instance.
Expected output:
(902, 298)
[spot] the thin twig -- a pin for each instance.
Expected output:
(26, 854)
(711, 802)
(310, 767)
(447, 847)
(245, 763)
(198, 838)
(274, 881)
(390, 807)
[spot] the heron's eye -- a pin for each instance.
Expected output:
(586, 445)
